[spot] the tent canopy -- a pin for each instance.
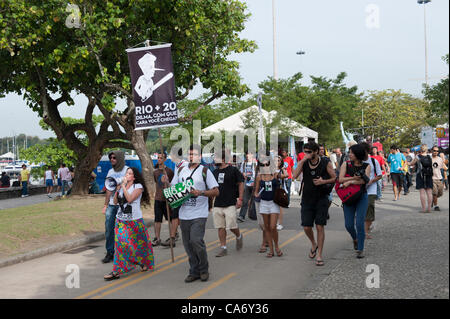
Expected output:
(7, 155)
(234, 123)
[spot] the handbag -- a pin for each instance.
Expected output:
(349, 195)
(281, 197)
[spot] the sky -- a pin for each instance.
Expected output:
(378, 43)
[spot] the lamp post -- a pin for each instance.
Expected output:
(275, 67)
(424, 2)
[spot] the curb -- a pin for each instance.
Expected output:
(56, 248)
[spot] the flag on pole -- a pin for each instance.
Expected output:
(153, 83)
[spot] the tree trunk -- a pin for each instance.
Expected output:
(140, 147)
(83, 170)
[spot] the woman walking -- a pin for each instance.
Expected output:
(265, 185)
(356, 172)
(424, 178)
(132, 244)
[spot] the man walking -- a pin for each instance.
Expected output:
(396, 160)
(288, 165)
(118, 171)
(24, 177)
(438, 186)
(248, 169)
(194, 213)
(161, 205)
(229, 179)
(65, 178)
(318, 177)
(407, 182)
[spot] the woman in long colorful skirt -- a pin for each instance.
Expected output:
(132, 244)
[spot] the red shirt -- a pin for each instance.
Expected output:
(300, 156)
(288, 165)
(380, 160)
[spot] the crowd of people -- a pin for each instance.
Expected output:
(233, 191)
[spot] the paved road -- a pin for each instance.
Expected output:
(398, 248)
(25, 201)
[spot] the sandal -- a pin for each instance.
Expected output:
(313, 252)
(269, 255)
(144, 268)
(319, 263)
(262, 249)
(279, 253)
(111, 276)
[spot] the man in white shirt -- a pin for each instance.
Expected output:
(194, 213)
(118, 170)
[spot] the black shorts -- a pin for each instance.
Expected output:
(161, 210)
(315, 212)
(397, 179)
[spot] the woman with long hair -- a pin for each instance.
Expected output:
(356, 172)
(266, 184)
(132, 244)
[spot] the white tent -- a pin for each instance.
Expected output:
(7, 155)
(235, 123)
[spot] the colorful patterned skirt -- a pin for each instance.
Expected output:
(132, 246)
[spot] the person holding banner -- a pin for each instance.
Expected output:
(160, 202)
(194, 212)
(132, 244)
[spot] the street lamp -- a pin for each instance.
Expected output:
(424, 2)
(275, 66)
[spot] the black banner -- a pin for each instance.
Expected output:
(153, 83)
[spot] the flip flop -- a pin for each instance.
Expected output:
(319, 263)
(313, 252)
(111, 276)
(262, 250)
(269, 255)
(279, 253)
(144, 268)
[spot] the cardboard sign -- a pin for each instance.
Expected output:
(179, 193)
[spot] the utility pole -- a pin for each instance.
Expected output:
(275, 67)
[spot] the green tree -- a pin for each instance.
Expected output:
(320, 107)
(437, 96)
(393, 117)
(46, 60)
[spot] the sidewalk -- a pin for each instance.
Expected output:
(411, 250)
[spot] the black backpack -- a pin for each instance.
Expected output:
(426, 164)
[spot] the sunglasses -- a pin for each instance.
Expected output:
(308, 152)
(264, 165)
(435, 150)
(113, 157)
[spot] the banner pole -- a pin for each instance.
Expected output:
(167, 205)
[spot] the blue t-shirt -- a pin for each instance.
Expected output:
(396, 162)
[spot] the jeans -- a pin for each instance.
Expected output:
(248, 193)
(379, 187)
(65, 185)
(24, 188)
(193, 232)
(407, 182)
(288, 182)
(110, 223)
(359, 210)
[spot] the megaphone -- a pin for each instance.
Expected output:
(111, 183)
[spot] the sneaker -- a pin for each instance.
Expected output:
(240, 219)
(222, 252)
(167, 242)
(437, 209)
(108, 258)
(204, 276)
(279, 227)
(177, 236)
(23, 196)
(191, 278)
(239, 242)
(156, 242)
(359, 254)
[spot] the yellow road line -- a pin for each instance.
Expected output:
(212, 286)
(292, 239)
(121, 281)
(141, 278)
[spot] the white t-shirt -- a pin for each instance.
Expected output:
(114, 174)
(333, 160)
(372, 189)
(195, 207)
(48, 175)
(135, 205)
(65, 174)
